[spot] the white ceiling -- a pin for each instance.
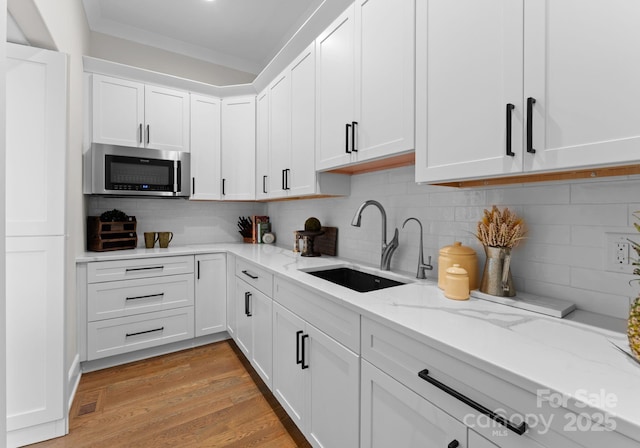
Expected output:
(241, 34)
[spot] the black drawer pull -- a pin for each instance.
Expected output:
(298, 358)
(145, 332)
(304, 338)
(145, 297)
(255, 277)
(144, 269)
(453, 444)
(510, 108)
(518, 429)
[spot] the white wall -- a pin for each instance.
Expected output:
(192, 222)
(564, 253)
(132, 53)
(3, 308)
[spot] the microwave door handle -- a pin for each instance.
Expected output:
(176, 177)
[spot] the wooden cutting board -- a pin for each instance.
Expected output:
(327, 243)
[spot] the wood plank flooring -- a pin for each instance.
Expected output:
(203, 397)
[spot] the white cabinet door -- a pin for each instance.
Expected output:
(36, 141)
(35, 331)
(210, 294)
(302, 174)
(239, 148)
(288, 378)
(280, 134)
(469, 68)
(205, 147)
(335, 91)
(477, 441)
(393, 415)
(333, 399)
(231, 295)
(167, 119)
(261, 332)
(118, 111)
(243, 337)
(385, 74)
(262, 145)
(584, 83)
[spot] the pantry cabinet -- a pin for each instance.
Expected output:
(129, 113)
(238, 148)
(205, 147)
(365, 84)
(501, 95)
(210, 294)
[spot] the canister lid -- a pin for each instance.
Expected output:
(456, 270)
(457, 249)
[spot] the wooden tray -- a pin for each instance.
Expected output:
(111, 235)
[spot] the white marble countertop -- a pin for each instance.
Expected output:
(533, 351)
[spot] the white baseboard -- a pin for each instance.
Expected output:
(37, 433)
(111, 361)
(73, 381)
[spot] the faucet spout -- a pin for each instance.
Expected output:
(387, 249)
(422, 267)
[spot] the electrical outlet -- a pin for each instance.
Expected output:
(620, 255)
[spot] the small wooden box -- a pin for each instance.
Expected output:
(111, 235)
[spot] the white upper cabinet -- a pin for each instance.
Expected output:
(205, 147)
(36, 142)
(509, 87)
(280, 134)
(239, 148)
(365, 83)
(129, 113)
(262, 145)
(584, 82)
(469, 68)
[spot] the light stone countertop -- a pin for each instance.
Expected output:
(527, 349)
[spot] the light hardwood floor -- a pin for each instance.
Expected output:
(203, 397)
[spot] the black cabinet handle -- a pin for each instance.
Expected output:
(298, 358)
(302, 339)
(354, 125)
(510, 108)
(144, 332)
(530, 102)
(140, 132)
(198, 269)
(148, 134)
(287, 174)
(518, 429)
(264, 184)
(223, 182)
(453, 444)
(248, 274)
(144, 269)
(193, 185)
(247, 304)
(284, 179)
(144, 297)
(346, 139)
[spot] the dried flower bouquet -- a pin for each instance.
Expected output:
(500, 229)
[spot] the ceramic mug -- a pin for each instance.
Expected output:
(165, 238)
(150, 239)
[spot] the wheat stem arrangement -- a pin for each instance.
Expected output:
(500, 228)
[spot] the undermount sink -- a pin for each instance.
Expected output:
(355, 279)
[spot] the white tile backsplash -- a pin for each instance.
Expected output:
(563, 256)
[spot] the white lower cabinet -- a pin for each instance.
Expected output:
(316, 379)
(210, 294)
(393, 415)
(253, 328)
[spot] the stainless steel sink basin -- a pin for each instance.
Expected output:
(355, 279)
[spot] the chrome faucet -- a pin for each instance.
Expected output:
(422, 267)
(387, 249)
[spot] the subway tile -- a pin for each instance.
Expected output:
(528, 195)
(608, 192)
(603, 281)
(585, 214)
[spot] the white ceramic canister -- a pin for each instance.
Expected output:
(465, 256)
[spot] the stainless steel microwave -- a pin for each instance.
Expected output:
(119, 170)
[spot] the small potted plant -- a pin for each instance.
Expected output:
(633, 324)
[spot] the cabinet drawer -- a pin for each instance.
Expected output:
(106, 271)
(256, 276)
(128, 297)
(403, 357)
(126, 334)
(337, 321)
